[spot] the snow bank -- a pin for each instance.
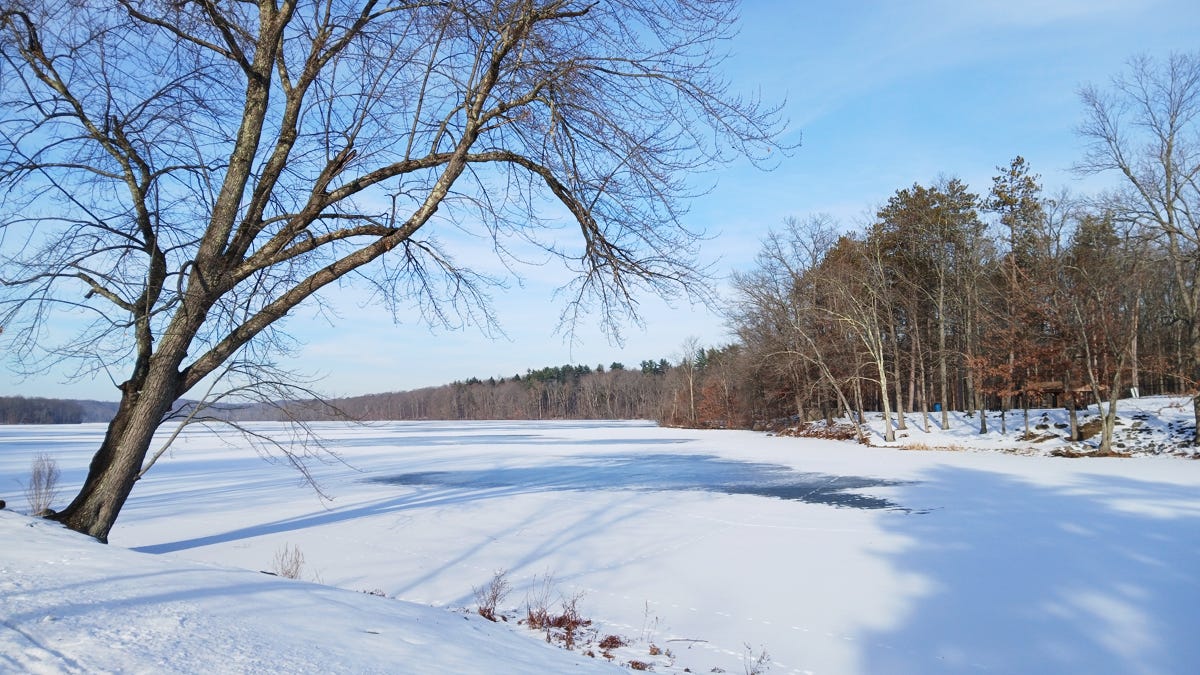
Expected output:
(72, 605)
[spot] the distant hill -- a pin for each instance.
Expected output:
(22, 410)
(97, 411)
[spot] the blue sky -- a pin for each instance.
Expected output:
(885, 94)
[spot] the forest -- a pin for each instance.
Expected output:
(952, 300)
(946, 300)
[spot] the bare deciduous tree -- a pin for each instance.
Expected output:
(179, 176)
(1103, 280)
(1146, 127)
(782, 312)
(689, 370)
(859, 301)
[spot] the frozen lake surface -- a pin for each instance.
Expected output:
(664, 472)
(837, 558)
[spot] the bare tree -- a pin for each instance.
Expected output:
(183, 175)
(782, 312)
(1103, 279)
(689, 370)
(1146, 127)
(859, 291)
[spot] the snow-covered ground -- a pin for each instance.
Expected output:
(708, 545)
(1152, 425)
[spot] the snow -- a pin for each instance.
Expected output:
(74, 606)
(973, 560)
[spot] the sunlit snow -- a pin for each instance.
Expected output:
(834, 557)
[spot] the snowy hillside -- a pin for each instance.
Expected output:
(698, 550)
(72, 605)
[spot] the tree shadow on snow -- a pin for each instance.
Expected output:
(624, 472)
(1099, 577)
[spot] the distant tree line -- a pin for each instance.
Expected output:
(21, 410)
(553, 392)
(701, 387)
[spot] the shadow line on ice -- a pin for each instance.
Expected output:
(663, 472)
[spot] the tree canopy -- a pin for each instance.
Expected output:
(185, 174)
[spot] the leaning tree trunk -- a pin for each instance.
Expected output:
(115, 466)
(889, 434)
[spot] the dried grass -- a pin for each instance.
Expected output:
(489, 597)
(42, 489)
(289, 562)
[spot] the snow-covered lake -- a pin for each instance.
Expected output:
(835, 557)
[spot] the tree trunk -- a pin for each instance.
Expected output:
(1196, 414)
(980, 405)
(943, 376)
(1194, 334)
(858, 400)
(1074, 414)
(912, 372)
(1134, 384)
(1109, 417)
(971, 361)
(922, 388)
(896, 370)
(889, 434)
(115, 466)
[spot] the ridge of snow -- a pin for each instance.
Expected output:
(72, 605)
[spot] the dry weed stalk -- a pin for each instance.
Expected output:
(289, 562)
(42, 489)
(489, 597)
